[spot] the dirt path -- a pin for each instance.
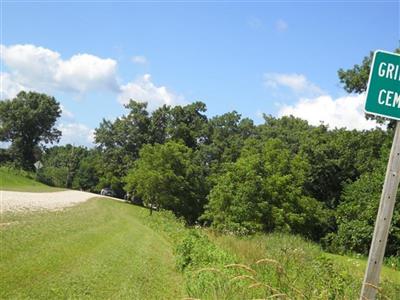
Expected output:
(22, 201)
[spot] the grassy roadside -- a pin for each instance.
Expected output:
(305, 264)
(111, 250)
(97, 250)
(263, 266)
(12, 181)
(250, 249)
(358, 266)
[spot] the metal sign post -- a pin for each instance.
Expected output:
(383, 99)
(382, 225)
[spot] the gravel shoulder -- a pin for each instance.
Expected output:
(24, 201)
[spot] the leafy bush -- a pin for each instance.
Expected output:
(53, 176)
(356, 217)
(168, 177)
(196, 250)
(263, 191)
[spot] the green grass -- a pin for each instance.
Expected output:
(294, 267)
(11, 180)
(358, 266)
(106, 249)
(97, 250)
(304, 266)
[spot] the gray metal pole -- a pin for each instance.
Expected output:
(383, 220)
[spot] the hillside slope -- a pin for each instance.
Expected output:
(14, 181)
(97, 250)
(305, 263)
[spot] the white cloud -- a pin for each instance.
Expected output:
(44, 70)
(297, 83)
(76, 134)
(345, 111)
(144, 90)
(281, 25)
(30, 64)
(30, 67)
(139, 59)
(84, 72)
(9, 88)
(66, 112)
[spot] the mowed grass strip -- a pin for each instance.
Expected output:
(11, 181)
(98, 250)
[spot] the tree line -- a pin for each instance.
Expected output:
(226, 172)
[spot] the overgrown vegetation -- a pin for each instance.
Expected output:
(220, 266)
(108, 249)
(224, 172)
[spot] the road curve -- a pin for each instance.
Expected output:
(25, 201)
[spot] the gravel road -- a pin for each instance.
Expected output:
(22, 201)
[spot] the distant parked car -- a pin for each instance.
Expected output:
(107, 192)
(130, 197)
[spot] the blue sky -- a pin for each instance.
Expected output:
(258, 57)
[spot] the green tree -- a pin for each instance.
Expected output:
(160, 121)
(290, 130)
(357, 213)
(336, 156)
(26, 121)
(188, 124)
(228, 133)
(86, 176)
(167, 176)
(263, 191)
(120, 142)
(60, 165)
(225, 137)
(355, 80)
(128, 133)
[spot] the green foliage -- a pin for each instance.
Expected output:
(357, 213)
(337, 157)
(263, 190)
(26, 121)
(187, 124)
(393, 262)
(283, 175)
(119, 143)
(168, 177)
(195, 250)
(86, 176)
(355, 80)
(61, 164)
(228, 133)
(299, 269)
(218, 266)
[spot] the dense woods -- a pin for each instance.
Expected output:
(226, 172)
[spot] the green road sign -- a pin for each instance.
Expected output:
(383, 94)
